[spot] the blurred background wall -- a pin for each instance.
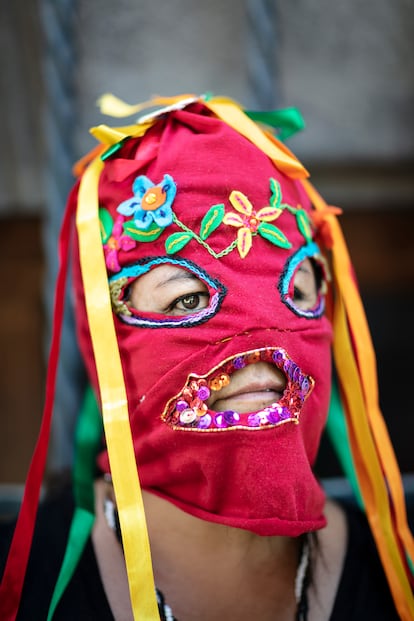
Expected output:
(347, 66)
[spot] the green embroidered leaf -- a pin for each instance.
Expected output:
(106, 224)
(274, 235)
(304, 227)
(276, 195)
(212, 219)
(176, 241)
(150, 234)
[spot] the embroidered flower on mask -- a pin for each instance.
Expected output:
(151, 203)
(113, 239)
(248, 220)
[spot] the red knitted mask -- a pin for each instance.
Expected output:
(196, 195)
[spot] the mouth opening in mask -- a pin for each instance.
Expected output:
(257, 389)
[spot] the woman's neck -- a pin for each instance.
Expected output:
(208, 571)
(217, 570)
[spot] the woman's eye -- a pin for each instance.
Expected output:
(168, 290)
(165, 293)
(188, 303)
(302, 284)
(306, 286)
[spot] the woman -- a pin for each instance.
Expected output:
(213, 373)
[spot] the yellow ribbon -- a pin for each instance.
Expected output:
(373, 487)
(371, 447)
(114, 401)
(111, 105)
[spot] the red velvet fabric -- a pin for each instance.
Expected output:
(256, 479)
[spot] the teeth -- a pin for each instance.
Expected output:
(189, 411)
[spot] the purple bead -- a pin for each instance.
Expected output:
(296, 374)
(284, 413)
(203, 393)
(305, 385)
(278, 356)
(219, 420)
(231, 417)
(204, 422)
(293, 368)
(239, 363)
(273, 415)
(181, 405)
(254, 420)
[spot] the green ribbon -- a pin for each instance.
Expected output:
(87, 442)
(286, 122)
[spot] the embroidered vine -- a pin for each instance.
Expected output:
(176, 241)
(150, 213)
(248, 221)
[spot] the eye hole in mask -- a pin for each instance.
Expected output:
(302, 284)
(164, 292)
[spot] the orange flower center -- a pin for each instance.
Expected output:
(112, 243)
(153, 198)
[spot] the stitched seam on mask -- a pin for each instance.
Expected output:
(251, 332)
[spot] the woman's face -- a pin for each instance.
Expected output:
(171, 290)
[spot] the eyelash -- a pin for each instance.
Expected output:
(298, 295)
(175, 303)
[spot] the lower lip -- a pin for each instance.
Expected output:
(247, 401)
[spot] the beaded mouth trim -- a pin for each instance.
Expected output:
(188, 410)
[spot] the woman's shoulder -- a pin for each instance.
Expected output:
(363, 591)
(46, 555)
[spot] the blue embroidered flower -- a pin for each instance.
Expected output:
(150, 203)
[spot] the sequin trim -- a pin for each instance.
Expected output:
(188, 411)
